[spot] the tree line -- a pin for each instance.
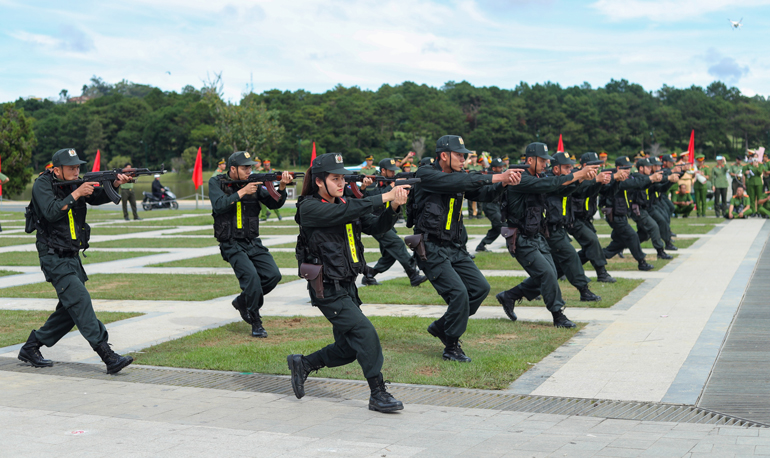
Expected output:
(148, 126)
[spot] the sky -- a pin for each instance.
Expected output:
(47, 46)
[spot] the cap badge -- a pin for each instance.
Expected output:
(338, 158)
(72, 152)
(392, 162)
(246, 155)
(460, 139)
(545, 148)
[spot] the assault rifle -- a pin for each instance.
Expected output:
(353, 179)
(106, 178)
(267, 178)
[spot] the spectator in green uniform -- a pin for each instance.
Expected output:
(766, 173)
(753, 174)
(369, 168)
(700, 187)
(740, 206)
(220, 168)
(719, 180)
(764, 206)
(683, 202)
(735, 171)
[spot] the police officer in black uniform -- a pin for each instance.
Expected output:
(236, 209)
(492, 210)
(646, 226)
(657, 205)
(559, 215)
(392, 247)
(617, 198)
(331, 256)
(583, 202)
(58, 214)
(524, 207)
(436, 215)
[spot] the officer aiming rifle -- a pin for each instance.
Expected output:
(268, 179)
(106, 178)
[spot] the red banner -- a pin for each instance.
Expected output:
(197, 176)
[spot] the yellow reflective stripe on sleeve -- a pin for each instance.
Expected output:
(626, 194)
(387, 204)
(238, 215)
(648, 193)
(564, 207)
(588, 199)
(351, 242)
(451, 210)
(72, 225)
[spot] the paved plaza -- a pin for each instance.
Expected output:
(658, 347)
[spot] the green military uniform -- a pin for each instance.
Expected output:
(524, 206)
(753, 173)
(766, 174)
(369, 169)
(764, 208)
(741, 204)
(683, 210)
(437, 216)
(62, 231)
(127, 196)
(330, 236)
(719, 179)
(701, 189)
(736, 173)
(236, 227)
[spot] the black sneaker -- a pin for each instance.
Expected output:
(561, 321)
(508, 301)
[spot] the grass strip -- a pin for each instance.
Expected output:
(501, 350)
(15, 325)
(30, 258)
(4, 273)
(504, 261)
(12, 241)
(119, 230)
(282, 259)
(157, 242)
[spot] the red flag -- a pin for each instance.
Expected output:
(97, 161)
(691, 148)
(560, 148)
(312, 156)
(198, 170)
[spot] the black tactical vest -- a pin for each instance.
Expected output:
(533, 221)
(67, 235)
(559, 210)
(338, 248)
(583, 208)
(440, 217)
(241, 222)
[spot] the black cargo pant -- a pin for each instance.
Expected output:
(566, 258)
(457, 280)
(585, 234)
(255, 269)
(66, 274)
(127, 196)
(492, 211)
(720, 201)
(355, 338)
(393, 249)
(648, 229)
(657, 214)
(623, 236)
(534, 256)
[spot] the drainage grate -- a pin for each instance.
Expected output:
(409, 394)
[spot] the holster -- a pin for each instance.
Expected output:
(636, 209)
(313, 273)
(417, 245)
(510, 234)
(607, 211)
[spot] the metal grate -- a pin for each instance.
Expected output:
(414, 394)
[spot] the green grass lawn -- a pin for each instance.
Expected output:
(157, 242)
(399, 291)
(144, 287)
(282, 259)
(501, 350)
(11, 241)
(30, 258)
(202, 220)
(15, 325)
(119, 230)
(3, 273)
(504, 261)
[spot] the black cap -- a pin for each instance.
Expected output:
(330, 163)
(622, 161)
(239, 158)
(538, 149)
(451, 143)
(426, 161)
(588, 157)
(497, 162)
(562, 158)
(66, 156)
(667, 158)
(388, 164)
(642, 162)
(655, 161)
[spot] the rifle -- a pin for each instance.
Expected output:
(106, 178)
(353, 179)
(267, 179)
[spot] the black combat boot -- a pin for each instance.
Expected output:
(369, 280)
(257, 330)
(663, 255)
(114, 361)
(415, 279)
(587, 296)
(670, 247)
(481, 247)
(436, 329)
(508, 300)
(30, 352)
(300, 368)
(561, 321)
(240, 305)
(603, 276)
(453, 352)
(381, 400)
(644, 265)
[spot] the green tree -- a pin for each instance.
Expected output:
(16, 142)
(119, 162)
